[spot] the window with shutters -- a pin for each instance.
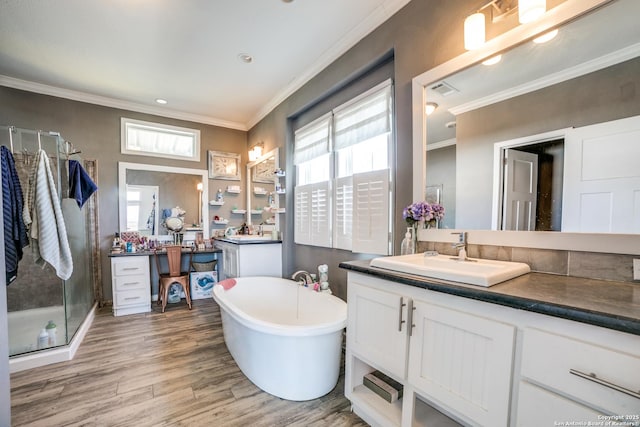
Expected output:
(343, 189)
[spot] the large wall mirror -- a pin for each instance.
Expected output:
(146, 191)
(522, 119)
(262, 196)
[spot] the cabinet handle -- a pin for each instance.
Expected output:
(400, 321)
(411, 310)
(129, 298)
(130, 283)
(130, 268)
(593, 377)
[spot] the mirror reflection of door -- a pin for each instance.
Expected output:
(520, 190)
(604, 178)
(142, 212)
(533, 186)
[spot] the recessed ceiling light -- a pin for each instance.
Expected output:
(546, 37)
(245, 57)
(493, 60)
(161, 101)
(287, 1)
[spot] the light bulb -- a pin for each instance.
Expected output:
(474, 31)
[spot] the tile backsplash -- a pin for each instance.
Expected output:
(591, 265)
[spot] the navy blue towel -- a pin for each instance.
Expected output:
(81, 186)
(15, 232)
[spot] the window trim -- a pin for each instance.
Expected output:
(125, 123)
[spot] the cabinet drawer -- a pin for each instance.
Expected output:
(128, 266)
(133, 297)
(554, 360)
(540, 407)
(137, 281)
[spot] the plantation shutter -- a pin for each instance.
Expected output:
(342, 224)
(312, 214)
(371, 213)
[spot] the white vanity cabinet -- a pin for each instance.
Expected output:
(462, 361)
(457, 361)
(130, 284)
(582, 372)
(250, 259)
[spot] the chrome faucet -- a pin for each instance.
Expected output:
(302, 277)
(461, 245)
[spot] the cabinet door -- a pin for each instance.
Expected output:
(374, 329)
(462, 361)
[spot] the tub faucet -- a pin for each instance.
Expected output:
(302, 277)
(461, 245)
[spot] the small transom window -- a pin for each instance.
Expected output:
(159, 140)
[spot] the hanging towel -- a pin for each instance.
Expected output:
(15, 232)
(81, 186)
(43, 215)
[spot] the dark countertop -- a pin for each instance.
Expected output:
(613, 305)
(184, 251)
(253, 242)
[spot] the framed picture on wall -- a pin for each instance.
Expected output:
(224, 165)
(264, 171)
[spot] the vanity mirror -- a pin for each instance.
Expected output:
(262, 197)
(172, 187)
(588, 74)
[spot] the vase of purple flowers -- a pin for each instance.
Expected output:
(423, 215)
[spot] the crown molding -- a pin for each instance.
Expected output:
(373, 21)
(115, 103)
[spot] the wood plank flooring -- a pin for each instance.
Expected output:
(160, 369)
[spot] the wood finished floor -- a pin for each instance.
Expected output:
(160, 369)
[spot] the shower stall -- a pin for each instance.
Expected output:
(38, 298)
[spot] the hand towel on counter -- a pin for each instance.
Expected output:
(15, 232)
(81, 186)
(43, 215)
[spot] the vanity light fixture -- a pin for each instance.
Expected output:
(255, 152)
(546, 37)
(474, 24)
(493, 60)
(530, 10)
(474, 32)
(430, 107)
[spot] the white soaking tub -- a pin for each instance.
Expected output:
(287, 339)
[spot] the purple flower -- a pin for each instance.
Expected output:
(422, 212)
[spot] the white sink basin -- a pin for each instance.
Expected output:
(249, 238)
(473, 271)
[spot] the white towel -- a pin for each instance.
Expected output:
(43, 215)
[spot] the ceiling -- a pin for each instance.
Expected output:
(581, 46)
(128, 53)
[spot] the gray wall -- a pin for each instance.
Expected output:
(96, 131)
(423, 34)
(598, 97)
(441, 170)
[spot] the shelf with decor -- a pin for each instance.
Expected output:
(221, 221)
(239, 211)
(233, 189)
(216, 203)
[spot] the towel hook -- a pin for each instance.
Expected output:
(11, 138)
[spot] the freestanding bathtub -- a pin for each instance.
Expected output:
(287, 339)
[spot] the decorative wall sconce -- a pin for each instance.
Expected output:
(255, 152)
(474, 24)
(430, 107)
